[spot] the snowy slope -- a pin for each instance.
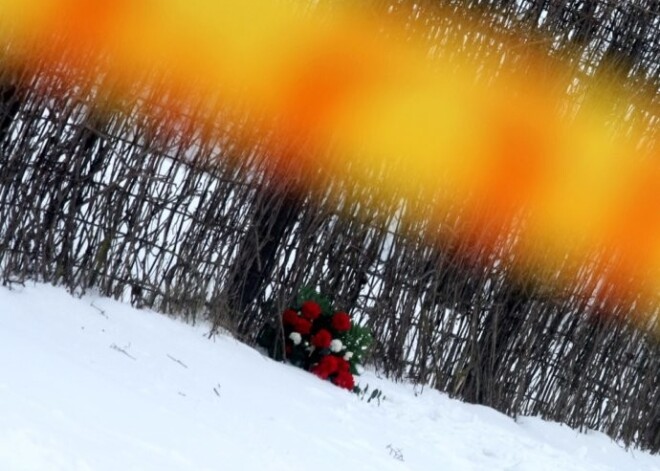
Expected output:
(92, 384)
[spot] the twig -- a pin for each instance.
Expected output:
(101, 311)
(121, 350)
(177, 361)
(395, 452)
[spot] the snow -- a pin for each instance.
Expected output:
(93, 384)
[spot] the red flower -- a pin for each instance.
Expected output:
(302, 326)
(289, 317)
(343, 365)
(311, 310)
(326, 366)
(319, 371)
(344, 380)
(322, 339)
(330, 362)
(341, 322)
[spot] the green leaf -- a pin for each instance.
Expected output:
(357, 340)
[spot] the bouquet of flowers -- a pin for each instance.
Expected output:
(324, 341)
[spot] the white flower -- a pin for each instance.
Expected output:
(348, 356)
(359, 369)
(295, 337)
(336, 345)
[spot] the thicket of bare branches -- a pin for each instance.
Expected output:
(103, 202)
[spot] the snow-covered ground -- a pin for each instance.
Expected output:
(92, 384)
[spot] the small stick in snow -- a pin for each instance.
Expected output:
(176, 360)
(121, 350)
(395, 452)
(101, 311)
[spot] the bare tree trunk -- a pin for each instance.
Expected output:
(275, 211)
(503, 321)
(9, 106)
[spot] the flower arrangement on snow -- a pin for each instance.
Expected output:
(324, 341)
